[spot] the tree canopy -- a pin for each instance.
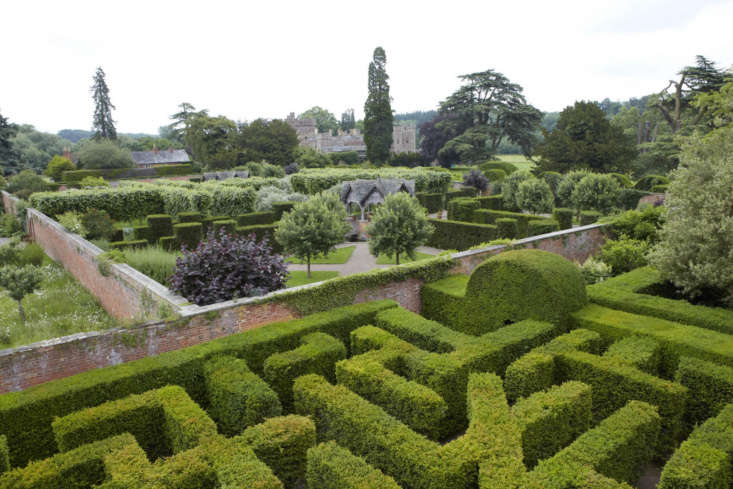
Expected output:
(8, 157)
(325, 120)
(378, 119)
(584, 139)
(398, 227)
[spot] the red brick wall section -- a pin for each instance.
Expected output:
(27, 366)
(405, 293)
(9, 203)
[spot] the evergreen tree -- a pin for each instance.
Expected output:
(378, 111)
(348, 121)
(8, 156)
(103, 125)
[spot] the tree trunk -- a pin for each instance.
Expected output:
(309, 266)
(397, 258)
(21, 312)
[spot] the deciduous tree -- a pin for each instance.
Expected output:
(19, 282)
(398, 227)
(325, 120)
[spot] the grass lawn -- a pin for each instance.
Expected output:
(390, 260)
(338, 257)
(519, 161)
(301, 278)
(60, 307)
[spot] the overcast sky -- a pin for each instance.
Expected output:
(250, 59)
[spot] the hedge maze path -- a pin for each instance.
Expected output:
(375, 396)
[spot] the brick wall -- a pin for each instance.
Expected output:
(127, 293)
(9, 203)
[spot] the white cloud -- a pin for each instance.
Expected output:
(247, 60)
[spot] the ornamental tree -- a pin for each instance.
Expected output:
(398, 227)
(57, 166)
(535, 195)
(510, 186)
(695, 251)
(597, 192)
(19, 282)
(313, 227)
(477, 180)
(224, 267)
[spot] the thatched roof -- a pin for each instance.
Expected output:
(359, 191)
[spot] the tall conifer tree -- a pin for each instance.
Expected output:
(378, 111)
(103, 125)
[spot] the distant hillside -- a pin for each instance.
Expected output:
(76, 135)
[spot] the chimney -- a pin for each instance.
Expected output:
(155, 150)
(67, 153)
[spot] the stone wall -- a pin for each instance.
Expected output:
(127, 293)
(9, 203)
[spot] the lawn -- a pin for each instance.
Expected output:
(337, 257)
(390, 260)
(520, 161)
(60, 307)
(301, 277)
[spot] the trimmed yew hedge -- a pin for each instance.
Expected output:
(254, 218)
(710, 386)
(331, 466)
(456, 235)
(431, 202)
(75, 176)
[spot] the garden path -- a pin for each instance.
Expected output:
(361, 260)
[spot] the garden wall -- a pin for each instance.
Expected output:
(126, 293)
(9, 203)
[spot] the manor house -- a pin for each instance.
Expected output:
(403, 137)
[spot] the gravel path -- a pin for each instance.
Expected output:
(361, 260)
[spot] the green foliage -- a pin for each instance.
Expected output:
(97, 224)
(120, 203)
(623, 180)
(450, 235)
(57, 166)
(102, 124)
(624, 254)
(510, 188)
(4, 458)
(595, 192)
(563, 216)
(26, 183)
(628, 198)
(313, 181)
(160, 225)
(553, 179)
(475, 305)
(641, 225)
(19, 281)
(642, 353)
(584, 139)
(567, 185)
(710, 386)
(9, 225)
(153, 261)
(493, 202)
(589, 217)
(462, 208)
(71, 221)
(696, 240)
(125, 173)
(188, 234)
(93, 182)
(378, 111)
(307, 157)
(626, 293)
(348, 157)
(541, 226)
(505, 166)
(312, 227)
(534, 195)
(595, 271)
(325, 121)
(506, 227)
(649, 181)
(432, 202)
(238, 398)
(104, 154)
(31, 254)
(333, 467)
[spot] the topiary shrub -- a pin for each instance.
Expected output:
(477, 180)
(227, 225)
(595, 192)
(649, 181)
(506, 227)
(160, 225)
(461, 209)
(628, 198)
(188, 233)
(477, 305)
(189, 217)
(623, 180)
(98, 224)
(510, 188)
(57, 166)
(567, 185)
(534, 195)
(224, 267)
(563, 216)
(589, 217)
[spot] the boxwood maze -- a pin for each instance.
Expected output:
(375, 396)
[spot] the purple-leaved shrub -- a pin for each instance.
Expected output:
(224, 267)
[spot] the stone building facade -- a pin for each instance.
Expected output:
(404, 137)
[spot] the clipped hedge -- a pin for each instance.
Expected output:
(160, 225)
(4, 454)
(522, 220)
(641, 352)
(188, 234)
(432, 202)
(542, 226)
(123, 203)
(462, 192)
(143, 233)
(333, 467)
(589, 217)
(75, 176)
(493, 202)
(317, 354)
(163, 421)
(505, 166)
(506, 227)
(238, 398)
(280, 208)
(624, 292)
(557, 290)
(254, 218)
(461, 208)
(228, 226)
(283, 444)
(628, 198)
(563, 216)
(458, 235)
(136, 243)
(710, 386)
(314, 180)
(26, 416)
(192, 216)
(551, 420)
(704, 460)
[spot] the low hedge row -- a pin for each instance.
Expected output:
(123, 203)
(614, 383)
(624, 292)
(414, 461)
(75, 176)
(710, 386)
(498, 165)
(456, 235)
(492, 202)
(314, 180)
(333, 467)
(461, 209)
(552, 419)
(26, 416)
(542, 226)
(282, 443)
(4, 454)
(704, 460)
(163, 421)
(280, 208)
(254, 218)
(317, 354)
(589, 217)
(619, 448)
(431, 202)
(135, 243)
(457, 193)
(188, 234)
(160, 225)
(676, 339)
(418, 406)
(641, 352)
(237, 397)
(563, 216)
